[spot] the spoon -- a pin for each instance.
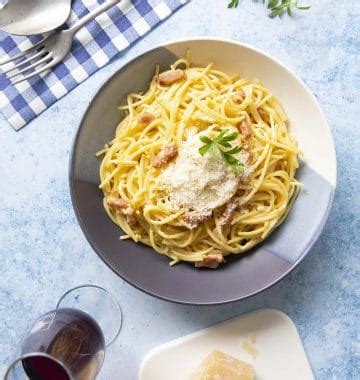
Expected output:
(26, 17)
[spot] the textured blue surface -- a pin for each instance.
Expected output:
(43, 251)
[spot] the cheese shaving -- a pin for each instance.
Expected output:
(199, 183)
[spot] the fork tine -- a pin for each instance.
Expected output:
(35, 64)
(44, 68)
(23, 62)
(23, 53)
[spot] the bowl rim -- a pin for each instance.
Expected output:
(72, 155)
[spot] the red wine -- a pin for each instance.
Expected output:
(73, 338)
(43, 368)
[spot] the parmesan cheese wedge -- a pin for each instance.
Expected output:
(220, 366)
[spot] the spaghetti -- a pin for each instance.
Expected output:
(179, 104)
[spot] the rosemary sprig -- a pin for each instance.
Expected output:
(219, 143)
(233, 4)
(277, 7)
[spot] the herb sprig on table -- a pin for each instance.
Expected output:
(219, 143)
(277, 7)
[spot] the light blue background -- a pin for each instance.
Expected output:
(43, 251)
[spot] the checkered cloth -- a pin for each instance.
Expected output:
(94, 46)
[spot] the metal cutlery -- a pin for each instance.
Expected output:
(50, 51)
(27, 17)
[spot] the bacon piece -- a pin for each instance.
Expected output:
(167, 153)
(167, 78)
(228, 213)
(146, 118)
(212, 260)
(129, 211)
(244, 180)
(193, 218)
(240, 193)
(239, 96)
(131, 218)
(116, 203)
(123, 208)
(250, 157)
(245, 129)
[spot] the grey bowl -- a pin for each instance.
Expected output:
(243, 275)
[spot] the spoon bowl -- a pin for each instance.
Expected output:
(28, 17)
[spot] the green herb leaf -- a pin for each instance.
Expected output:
(288, 9)
(233, 4)
(237, 169)
(273, 14)
(205, 139)
(272, 3)
(225, 144)
(219, 138)
(218, 145)
(277, 7)
(230, 137)
(230, 159)
(235, 150)
(204, 149)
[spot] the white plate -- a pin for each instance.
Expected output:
(280, 353)
(267, 263)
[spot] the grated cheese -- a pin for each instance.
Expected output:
(199, 183)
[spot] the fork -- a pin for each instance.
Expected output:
(50, 51)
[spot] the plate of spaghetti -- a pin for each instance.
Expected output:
(203, 171)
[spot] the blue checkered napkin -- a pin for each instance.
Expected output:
(94, 46)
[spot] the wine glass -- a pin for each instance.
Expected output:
(68, 343)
